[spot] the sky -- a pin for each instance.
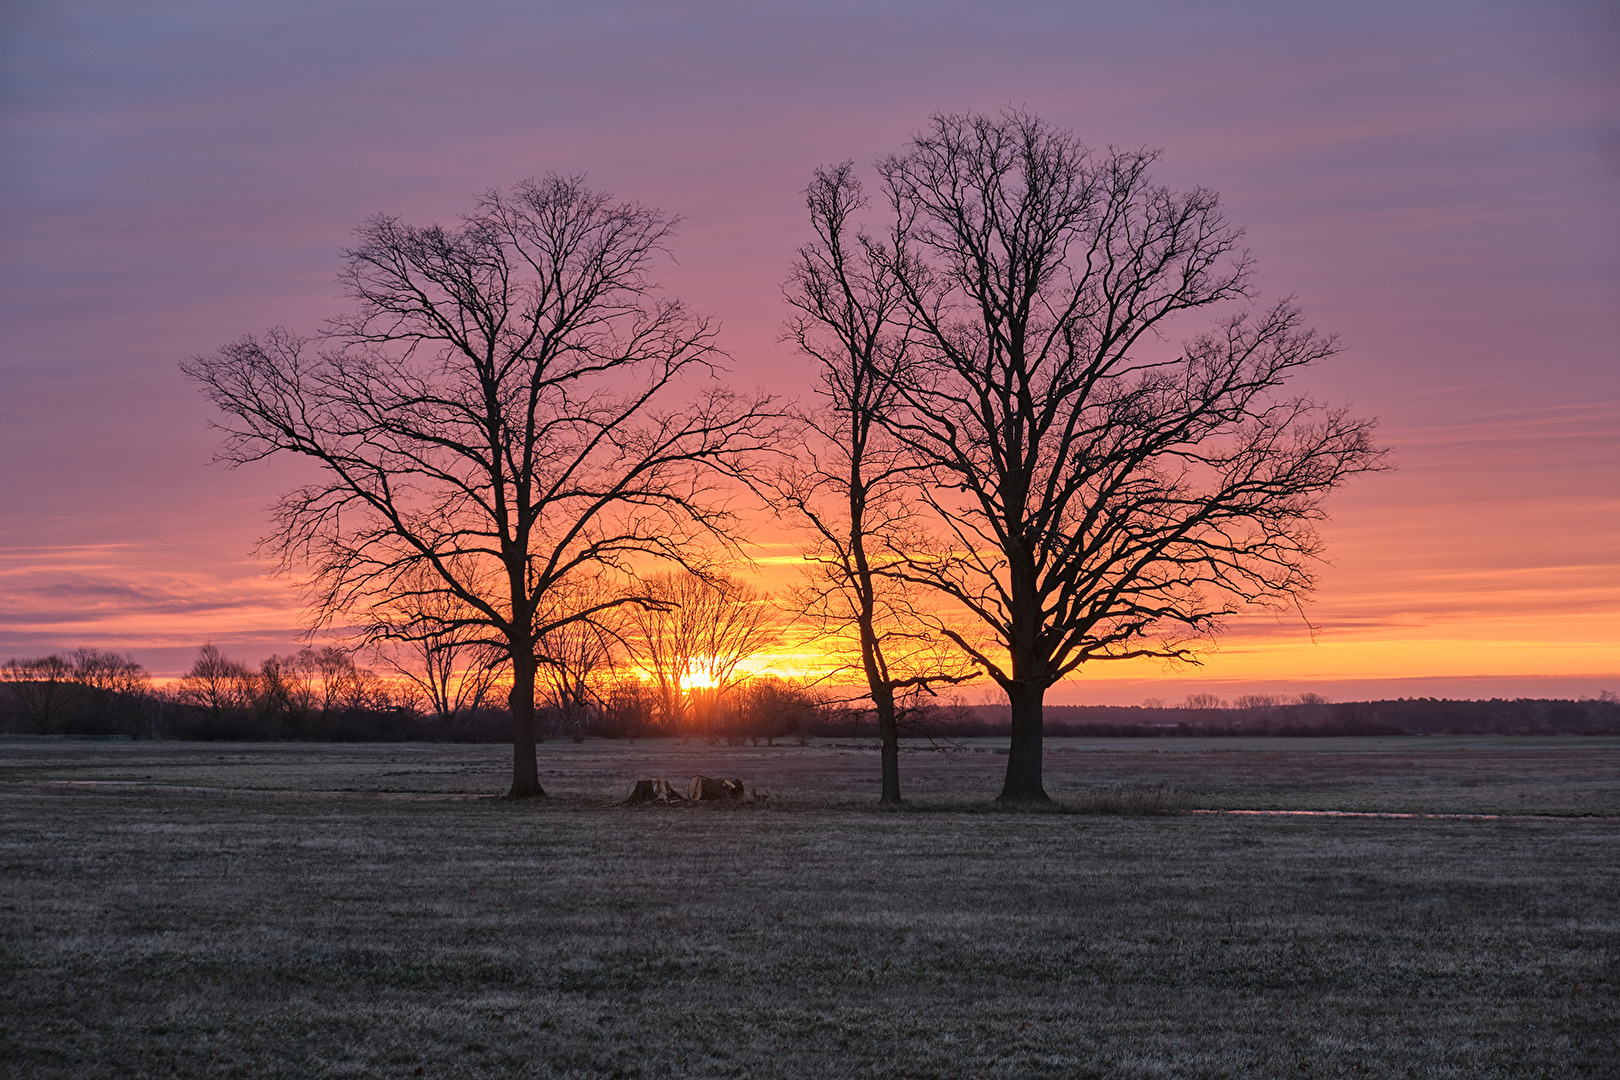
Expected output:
(1437, 183)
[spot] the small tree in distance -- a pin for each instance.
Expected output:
(691, 636)
(110, 678)
(577, 658)
(39, 689)
(429, 638)
(216, 683)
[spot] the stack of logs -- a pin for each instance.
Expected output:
(699, 789)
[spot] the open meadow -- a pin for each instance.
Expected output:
(214, 910)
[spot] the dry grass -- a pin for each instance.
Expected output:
(150, 932)
(1443, 774)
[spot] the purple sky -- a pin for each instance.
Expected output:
(1438, 182)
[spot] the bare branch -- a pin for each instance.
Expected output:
(493, 425)
(1096, 495)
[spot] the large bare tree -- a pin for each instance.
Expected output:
(1104, 494)
(491, 421)
(847, 486)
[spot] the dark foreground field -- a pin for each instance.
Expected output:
(264, 911)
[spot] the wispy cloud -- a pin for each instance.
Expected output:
(105, 593)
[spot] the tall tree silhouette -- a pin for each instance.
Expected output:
(1103, 493)
(848, 484)
(492, 421)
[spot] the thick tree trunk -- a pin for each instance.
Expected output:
(525, 769)
(1023, 783)
(889, 741)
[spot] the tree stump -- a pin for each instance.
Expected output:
(708, 789)
(654, 791)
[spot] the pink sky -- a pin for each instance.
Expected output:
(1439, 183)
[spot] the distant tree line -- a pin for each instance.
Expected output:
(1308, 715)
(313, 694)
(87, 692)
(322, 694)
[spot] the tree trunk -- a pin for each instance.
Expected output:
(889, 740)
(525, 769)
(1023, 783)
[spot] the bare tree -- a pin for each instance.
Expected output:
(216, 683)
(335, 682)
(39, 689)
(577, 657)
(770, 707)
(493, 416)
(848, 485)
(629, 707)
(117, 685)
(283, 691)
(348, 687)
(435, 644)
(453, 669)
(692, 634)
(1103, 494)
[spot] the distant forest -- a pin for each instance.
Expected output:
(324, 696)
(1266, 716)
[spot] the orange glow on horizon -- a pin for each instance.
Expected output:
(1360, 637)
(1436, 608)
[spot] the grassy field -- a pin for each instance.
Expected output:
(356, 911)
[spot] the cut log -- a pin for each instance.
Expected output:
(666, 793)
